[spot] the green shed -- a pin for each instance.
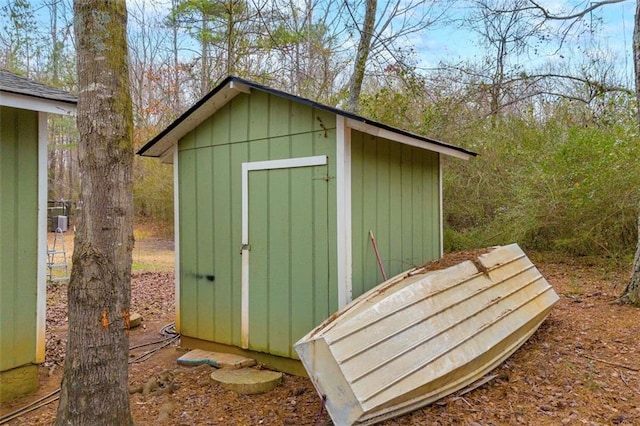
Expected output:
(275, 196)
(24, 106)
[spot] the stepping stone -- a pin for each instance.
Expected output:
(135, 319)
(215, 359)
(247, 381)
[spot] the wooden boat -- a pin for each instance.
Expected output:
(424, 334)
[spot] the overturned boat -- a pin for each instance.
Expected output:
(423, 334)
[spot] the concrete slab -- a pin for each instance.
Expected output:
(247, 381)
(215, 359)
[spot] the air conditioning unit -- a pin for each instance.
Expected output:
(59, 223)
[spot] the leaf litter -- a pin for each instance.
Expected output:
(581, 367)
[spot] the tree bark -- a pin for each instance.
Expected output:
(632, 293)
(94, 385)
(362, 55)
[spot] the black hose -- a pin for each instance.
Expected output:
(170, 336)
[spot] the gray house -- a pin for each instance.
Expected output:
(24, 106)
(275, 197)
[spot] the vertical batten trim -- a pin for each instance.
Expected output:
(176, 235)
(343, 208)
(42, 259)
(244, 251)
(440, 212)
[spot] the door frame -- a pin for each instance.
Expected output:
(285, 163)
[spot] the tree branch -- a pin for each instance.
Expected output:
(577, 15)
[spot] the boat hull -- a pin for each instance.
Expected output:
(424, 334)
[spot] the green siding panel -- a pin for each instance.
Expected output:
(301, 119)
(258, 116)
(209, 131)
(188, 173)
(395, 199)
(277, 279)
(225, 251)
(323, 121)
(221, 128)
(395, 192)
(187, 142)
(279, 147)
(18, 236)
(279, 116)
(204, 244)
(240, 107)
(408, 201)
(239, 154)
(417, 186)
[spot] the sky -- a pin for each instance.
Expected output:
(613, 30)
(612, 35)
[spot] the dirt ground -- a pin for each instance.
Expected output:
(582, 367)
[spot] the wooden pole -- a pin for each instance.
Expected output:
(375, 249)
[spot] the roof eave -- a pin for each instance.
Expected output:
(407, 138)
(164, 143)
(35, 103)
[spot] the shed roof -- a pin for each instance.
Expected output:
(20, 92)
(162, 145)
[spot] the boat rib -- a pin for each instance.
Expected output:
(439, 332)
(416, 322)
(448, 350)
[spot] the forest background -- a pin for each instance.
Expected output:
(548, 105)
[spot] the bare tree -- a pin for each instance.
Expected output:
(362, 55)
(507, 34)
(223, 29)
(19, 37)
(94, 385)
(379, 31)
(298, 46)
(631, 294)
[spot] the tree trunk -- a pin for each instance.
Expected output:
(94, 385)
(632, 292)
(206, 71)
(362, 55)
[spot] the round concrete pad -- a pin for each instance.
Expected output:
(247, 380)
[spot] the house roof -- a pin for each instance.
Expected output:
(162, 145)
(20, 92)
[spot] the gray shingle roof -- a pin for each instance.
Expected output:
(13, 83)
